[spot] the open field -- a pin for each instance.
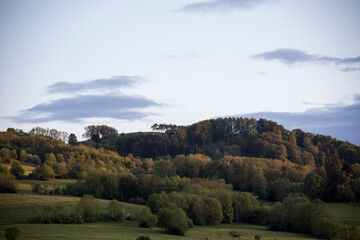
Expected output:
(17, 208)
(345, 212)
(28, 168)
(130, 231)
(342, 212)
(24, 186)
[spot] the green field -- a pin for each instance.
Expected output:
(345, 212)
(130, 231)
(28, 168)
(24, 186)
(17, 208)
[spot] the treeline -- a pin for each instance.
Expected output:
(272, 179)
(84, 212)
(238, 137)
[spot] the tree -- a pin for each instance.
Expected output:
(72, 139)
(213, 211)
(157, 201)
(7, 183)
(88, 209)
(147, 219)
(313, 186)
(44, 172)
(3, 169)
(174, 221)
(12, 233)
(97, 133)
(16, 169)
(116, 210)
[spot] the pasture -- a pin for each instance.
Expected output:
(130, 231)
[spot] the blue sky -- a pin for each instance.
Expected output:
(129, 64)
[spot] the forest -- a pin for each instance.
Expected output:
(211, 172)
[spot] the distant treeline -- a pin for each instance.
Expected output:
(324, 175)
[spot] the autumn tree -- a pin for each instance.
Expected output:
(16, 169)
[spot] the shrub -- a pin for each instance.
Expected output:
(116, 210)
(143, 238)
(88, 209)
(12, 233)
(157, 201)
(7, 183)
(147, 219)
(16, 169)
(174, 221)
(234, 234)
(44, 172)
(3, 168)
(349, 231)
(257, 237)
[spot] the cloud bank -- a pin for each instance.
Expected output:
(290, 56)
(339, 121)
(98, 84)
(79, 107)
(221, 5)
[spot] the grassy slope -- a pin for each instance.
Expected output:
(342, 212)
(28, 168)
(17, 208)
(130, 231)
(345, 212)
(24, 186)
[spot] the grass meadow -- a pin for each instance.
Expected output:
(25, 186)
(15, 209)
(130, 231)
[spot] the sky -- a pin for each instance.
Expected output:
(130, 64)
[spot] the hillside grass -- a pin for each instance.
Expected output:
(130, 231)
(345, 212)
(18, 208)
(25, 185)
(28, 168)
(342, 212)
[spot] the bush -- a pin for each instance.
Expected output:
(174, 221)
(116, 210)
(44, 172)
(87, 209)
(12, 233)
(16, 169)
(257, 237)
(157, 201)
(261, 215)
(234, 234)
(3, 169)
(147, 219)
(143, 238)
(7, 183)
(349, 231)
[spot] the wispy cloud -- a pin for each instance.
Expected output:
(294, 56)
(78, 108)
(350, 69)
(337, 120)
(221, 5)
(98, 84)
(101, 102)
(184, 56)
